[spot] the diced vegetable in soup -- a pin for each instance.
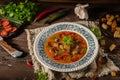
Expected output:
(65, 47)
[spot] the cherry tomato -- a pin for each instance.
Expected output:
(5, 23)
(3, 33)
(8, 29)
(13, 29)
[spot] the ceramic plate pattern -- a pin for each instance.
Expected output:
(92, 50)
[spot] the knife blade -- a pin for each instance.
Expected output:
(8, 48)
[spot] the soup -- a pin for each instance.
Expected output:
(65, 47)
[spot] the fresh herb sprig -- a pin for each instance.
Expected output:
(23, 11)
(42, 75)
(67, 40)
(96, 31)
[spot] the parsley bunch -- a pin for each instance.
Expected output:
(23, 11)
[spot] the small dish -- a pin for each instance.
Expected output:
(17, 24)
(88, 58)
(108, 22)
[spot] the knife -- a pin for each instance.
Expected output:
(12, 51)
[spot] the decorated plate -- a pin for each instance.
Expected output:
(87, 35)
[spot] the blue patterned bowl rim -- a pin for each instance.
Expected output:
(91, 53)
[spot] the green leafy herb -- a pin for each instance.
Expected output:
(67, 40)
(97, 33)
(23, 11)
(42, 76)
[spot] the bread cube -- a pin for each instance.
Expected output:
(117, 28)
(112, 47)
(104, 26)
(116, 34)
(102, 42)
(113, 73)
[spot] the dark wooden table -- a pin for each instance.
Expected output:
(16, 68)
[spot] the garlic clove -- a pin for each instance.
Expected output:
(80, 11)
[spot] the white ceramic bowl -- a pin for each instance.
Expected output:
(90, 55)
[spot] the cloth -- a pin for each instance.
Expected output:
(86, 72)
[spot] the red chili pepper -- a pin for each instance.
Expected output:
(29, 63)
(41, 15)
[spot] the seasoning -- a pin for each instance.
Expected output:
(29, 63)
(42, 75)
(80, 11)
(57, 16)
(46, 12)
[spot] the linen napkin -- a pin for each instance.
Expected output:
(86, 72)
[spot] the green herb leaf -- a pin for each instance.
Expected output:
(24, 11)
(42, 75)
(97, 33)
(67, 40)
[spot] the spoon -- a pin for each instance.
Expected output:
(12, 51)
(101, 61)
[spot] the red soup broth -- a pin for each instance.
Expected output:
(65, 47)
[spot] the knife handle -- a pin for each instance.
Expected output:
(12, 51)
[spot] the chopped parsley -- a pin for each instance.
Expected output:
(67, 40)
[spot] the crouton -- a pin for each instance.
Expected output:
(113, 26)
(107, 16)
(104, 26)
(112, 47)
(113, 73)
(117, 28)
(111, 18)
(116, 34)
(109, 23)
(102, 42)
(103, 19)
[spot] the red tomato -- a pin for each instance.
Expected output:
(64, 56)
(8, 29)
(13, 29)
(57, 57)
(5, 23)
(75, 59)
(3, 33)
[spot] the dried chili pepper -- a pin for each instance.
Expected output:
(57, 16)
(41, 15)
(29, 63)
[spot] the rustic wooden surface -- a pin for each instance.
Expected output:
(16, 68)
(81, 1)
